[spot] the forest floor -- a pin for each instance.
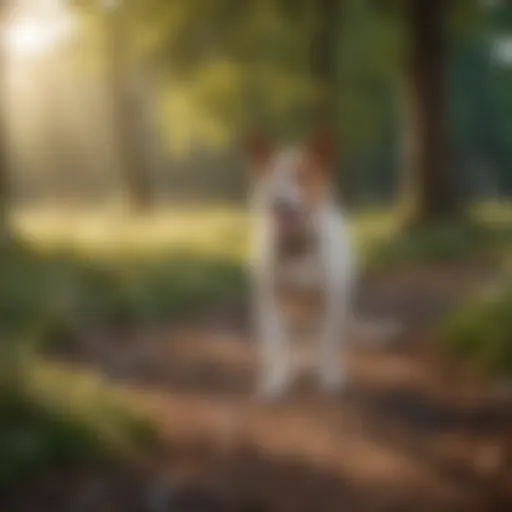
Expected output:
(409, 433)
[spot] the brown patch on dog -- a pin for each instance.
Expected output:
(318, 165)
(260, 150)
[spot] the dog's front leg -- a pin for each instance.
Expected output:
(270, 329)
(331, 342)
(275, 364)
(339, 265)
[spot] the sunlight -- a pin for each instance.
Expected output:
(38, 28)
(502, 50)
(28, 37)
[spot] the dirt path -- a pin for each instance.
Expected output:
(405, 435)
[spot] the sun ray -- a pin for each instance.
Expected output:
(37, 27)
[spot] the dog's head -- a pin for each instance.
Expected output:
(292, 182)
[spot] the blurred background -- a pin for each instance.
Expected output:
(127, 361)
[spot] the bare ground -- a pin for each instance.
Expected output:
(408, 433)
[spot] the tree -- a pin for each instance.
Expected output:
(233, 65)
(325, 67)
(325, 60)
(124, 102)
(429, 193)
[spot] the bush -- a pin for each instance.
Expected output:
(481, 332)
(446, 243)
(54, 296)
(51, 416)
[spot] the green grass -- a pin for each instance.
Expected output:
(209, 232)
(223, 232)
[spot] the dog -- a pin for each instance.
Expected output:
(303, 261)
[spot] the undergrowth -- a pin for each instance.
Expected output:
(480, 332)
(53, 416)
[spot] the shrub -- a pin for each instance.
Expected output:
(481, 332)
(445, 243)
(52, 415)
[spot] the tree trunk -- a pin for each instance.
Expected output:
(325, 69)
(428, 193)
(324, 60)
(123, 95)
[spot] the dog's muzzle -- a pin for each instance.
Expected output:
(289, 217)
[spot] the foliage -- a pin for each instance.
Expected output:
(236, 64)
(225, 65)
(218, 68)
(62, 296)
(51, 415)
(486, 232)
(449, 242)
(481, 104)
(481, 331)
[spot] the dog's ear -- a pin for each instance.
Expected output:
(322, 149)
(259, 150)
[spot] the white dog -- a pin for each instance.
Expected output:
(303, 260)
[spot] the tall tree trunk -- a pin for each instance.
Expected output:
(123, 95)
(428, 193)
(325, 67)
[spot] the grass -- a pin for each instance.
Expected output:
(103, 268)
(222, 232)
(210, 232)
